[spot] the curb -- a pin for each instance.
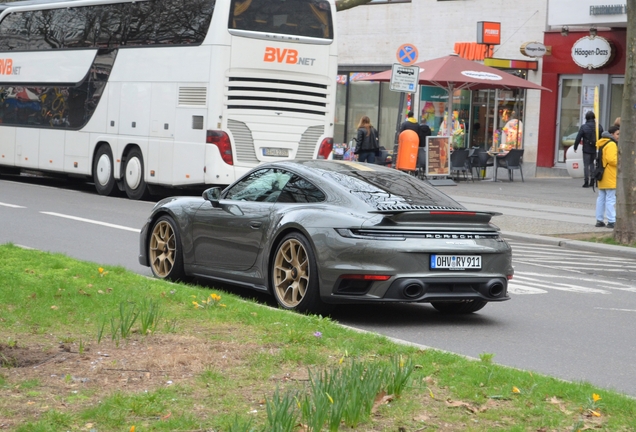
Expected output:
(613, 250)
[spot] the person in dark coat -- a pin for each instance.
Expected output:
(422, 130)
(587, 134)
(410, 123)
(367, 141)
(425, 131)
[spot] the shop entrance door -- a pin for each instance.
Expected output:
(616, 99)
(569, 119)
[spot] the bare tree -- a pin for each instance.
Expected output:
(625, 231)
(348, 4)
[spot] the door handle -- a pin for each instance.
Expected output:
(255, 224)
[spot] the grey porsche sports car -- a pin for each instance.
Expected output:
(317, 233)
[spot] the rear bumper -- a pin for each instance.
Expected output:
(426, 290)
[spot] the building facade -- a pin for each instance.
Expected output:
(588, 52)
(369, 39)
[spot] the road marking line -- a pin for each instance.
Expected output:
(121, 227)
(559, 286)
(518, 289)
(616, 309)
(606, 284)
(11, 205)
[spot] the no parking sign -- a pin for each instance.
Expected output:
(407, 54)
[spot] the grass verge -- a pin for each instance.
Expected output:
(595, 237)
(102, 349)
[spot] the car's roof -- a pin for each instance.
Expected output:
(375, 186)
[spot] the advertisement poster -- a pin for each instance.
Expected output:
(438, 156)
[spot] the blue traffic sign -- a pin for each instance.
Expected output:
(407, 54)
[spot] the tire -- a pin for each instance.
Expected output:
(465, 307)
(165, 252)
(103, 171)
(294, 275)
(134, 182)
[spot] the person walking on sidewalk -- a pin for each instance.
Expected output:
(606, 201)
(587, 133)
(367, 141)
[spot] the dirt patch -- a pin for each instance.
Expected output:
(14, 356)
(59, 371)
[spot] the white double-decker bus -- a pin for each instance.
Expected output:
(140, 93)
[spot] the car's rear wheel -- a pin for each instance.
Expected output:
(294, 275)
(164, 250)
(464, 307)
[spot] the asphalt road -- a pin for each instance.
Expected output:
(571, 314)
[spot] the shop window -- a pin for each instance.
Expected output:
(363, 100)
(508, 133)
(616, 102)
(389, 106)
(434, 107)
(569, 115)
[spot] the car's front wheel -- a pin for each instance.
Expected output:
(464, 307)
(164, 250)
(294, 275)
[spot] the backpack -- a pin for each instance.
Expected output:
(599, 169)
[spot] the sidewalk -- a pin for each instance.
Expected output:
(539, 210)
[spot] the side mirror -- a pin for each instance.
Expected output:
(213, 195)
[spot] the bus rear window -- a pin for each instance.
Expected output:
(310, 18)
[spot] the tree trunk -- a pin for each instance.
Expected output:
(348, 4)
(625, 231)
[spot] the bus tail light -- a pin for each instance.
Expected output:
(222, 141)
(326, 146)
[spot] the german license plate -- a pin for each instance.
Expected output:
(276, 152)
(455, 262)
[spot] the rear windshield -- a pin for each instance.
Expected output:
(311, 18)
(386, 189)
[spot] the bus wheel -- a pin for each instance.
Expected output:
(134, 182)
(103, 171)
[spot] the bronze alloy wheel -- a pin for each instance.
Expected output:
(162, 249)
(291, 273)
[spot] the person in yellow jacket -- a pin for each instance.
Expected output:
(606, 201)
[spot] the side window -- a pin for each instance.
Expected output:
(14, 31)
(112, 23)
(79, 31)
(299, 190)
(262, 185)
(141, 28)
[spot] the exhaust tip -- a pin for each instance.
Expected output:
(413, 290)
(496, 289)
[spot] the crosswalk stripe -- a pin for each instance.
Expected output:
(520, 289)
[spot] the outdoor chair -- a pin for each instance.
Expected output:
(480, 161)
(511, 161)
(458, 161)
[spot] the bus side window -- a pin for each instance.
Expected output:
(14, 31)
(111, 24)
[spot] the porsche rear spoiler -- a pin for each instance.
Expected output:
(415, 215)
